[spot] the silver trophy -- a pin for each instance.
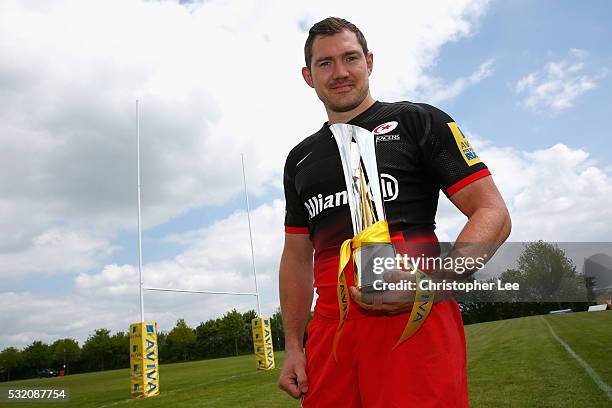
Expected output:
(357, 149)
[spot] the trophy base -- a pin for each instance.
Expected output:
(370, 261)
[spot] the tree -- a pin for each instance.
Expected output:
(547, 279)
(542, 267)
(65, 352)
(10, 359)
(120, 346)
(162, 346)
(209, 342)
(232, 328)
(181, 341)
(278, 332)
(245, 344)
(248, 316)
(36, 356)
(97, 349)
(546, 274)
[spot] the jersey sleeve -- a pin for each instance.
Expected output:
(296, 219)
(448, 153)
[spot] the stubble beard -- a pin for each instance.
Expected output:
(348, 105)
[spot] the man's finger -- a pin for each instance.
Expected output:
(398, 296)
(355, 294)
(289, 385)
(302, 380)
(396, 308)
(397, 276)
(357, 297)
(394, 302)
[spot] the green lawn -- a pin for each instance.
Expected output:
(518, 363)
(224, 382)
(511, 363)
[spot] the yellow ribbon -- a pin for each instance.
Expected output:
(377, 233)
(423, 301)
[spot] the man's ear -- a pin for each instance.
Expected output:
(370, 62)
(307, 76)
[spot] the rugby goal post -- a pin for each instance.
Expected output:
(144, 352)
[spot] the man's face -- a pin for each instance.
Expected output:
(339, 71)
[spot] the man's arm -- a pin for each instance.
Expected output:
(488, 224)
(488, 218)
(296, 290)
(487, 227)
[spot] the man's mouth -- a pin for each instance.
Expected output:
(342, 88)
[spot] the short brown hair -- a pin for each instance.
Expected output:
(331, 26)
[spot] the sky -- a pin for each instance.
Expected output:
(528, 82)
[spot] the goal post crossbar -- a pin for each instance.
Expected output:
(212, 292)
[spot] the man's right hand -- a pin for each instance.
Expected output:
(293, 378)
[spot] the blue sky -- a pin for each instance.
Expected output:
(520, 77)
(521, 36)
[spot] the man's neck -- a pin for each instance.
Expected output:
(345, 117)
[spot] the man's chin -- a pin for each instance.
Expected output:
(344, 107)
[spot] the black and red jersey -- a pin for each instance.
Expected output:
(419, 151)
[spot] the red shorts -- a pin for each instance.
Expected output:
(427, 370)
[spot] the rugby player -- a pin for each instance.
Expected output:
(420, 151)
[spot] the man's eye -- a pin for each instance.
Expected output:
(324, 64)
(351, 58)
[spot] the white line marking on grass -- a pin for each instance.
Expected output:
(600, 383)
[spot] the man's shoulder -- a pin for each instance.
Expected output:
(407, 107)
(306, 144)
(416, 117)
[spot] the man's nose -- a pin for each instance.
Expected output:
(340, 70)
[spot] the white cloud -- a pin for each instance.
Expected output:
(27, 317)
(214, 78)
(434, 90)
(556, 86)
(554, 194)
(57, 250)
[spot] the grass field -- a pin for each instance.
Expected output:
(518, 363)
(511, 363)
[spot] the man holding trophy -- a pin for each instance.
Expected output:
(369, 180)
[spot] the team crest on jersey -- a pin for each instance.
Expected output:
(385, 128)
(466, 149)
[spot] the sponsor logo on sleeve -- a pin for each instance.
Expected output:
(466, 149)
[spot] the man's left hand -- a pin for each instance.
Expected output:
(390, 301)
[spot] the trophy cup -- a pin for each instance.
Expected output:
(357, 152)
(371, 233)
